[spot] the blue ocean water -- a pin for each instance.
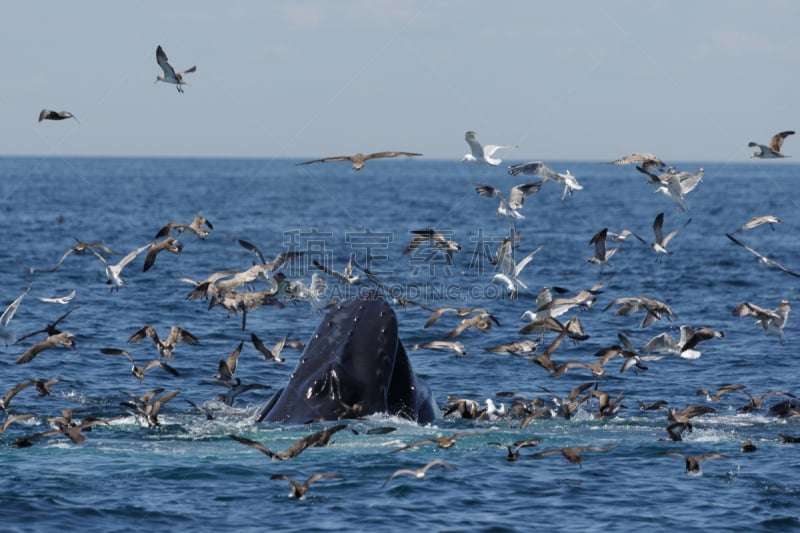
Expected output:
(187, 473)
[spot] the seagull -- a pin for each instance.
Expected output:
(645, 160)
(47, 114)
(169, 75)
(170, 244)
(113, 272)
(482, 154)
(346, 277)
(5, 332)
(774, 148)
(693, 461)
(757, 221)
(14, 418)
(359, 159)
(269, 355)
(685, 346)
(763, 259)
(678, 185)
(293, 451)
(79, 248)
(165, 347)
(5, 400)
(62, 300)
(773, 321)
(438, 240)
(420, 472)
(539, 169)
(509, 269)
(138, 371)
(148, 405)
(601, 255)
(573, 453)
(456, 347)
(299, 490)
(64, 338)
(660, 243)
(513, 450)
(444, 442)
(509, 208)
(654, 309)
(196, 227)
(50, 329)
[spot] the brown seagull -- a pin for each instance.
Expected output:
(360, 159)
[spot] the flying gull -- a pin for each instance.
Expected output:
(509, 208)
(539, 169)
(482, 154)
(169, 75)
(757, 221)
(360, 159)
(660, 243)
(646, 160)
(773, 321)
(774, 149)
(763, 259)
(47, 114)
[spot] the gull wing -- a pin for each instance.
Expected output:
(474, 146)
(378, 155)
(776, 142)
(328, 159)
(519, 192)
(163, 62)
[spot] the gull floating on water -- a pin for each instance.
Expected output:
(169, 75)
(482, 154)
(774, 148)
(47, 114)
(360, 159)
(299, 490)
(539, 169)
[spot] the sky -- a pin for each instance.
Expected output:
(688, 80)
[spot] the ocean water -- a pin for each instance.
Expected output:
(188, 474)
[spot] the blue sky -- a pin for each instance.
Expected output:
(588, 80)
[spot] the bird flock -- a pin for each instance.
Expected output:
(243, 289)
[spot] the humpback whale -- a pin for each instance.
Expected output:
(354, 365)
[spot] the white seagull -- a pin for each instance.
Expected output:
(169, 75)
(509, 269)
(774, 148)
(773, 321)
(677, 185)
(482, 154)
(537, 168)
(5, 332)
(113, 272)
